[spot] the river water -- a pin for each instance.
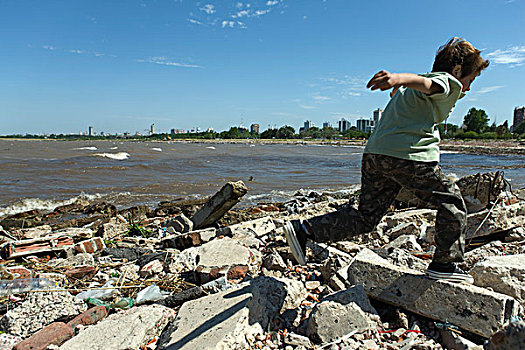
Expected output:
(41, 174)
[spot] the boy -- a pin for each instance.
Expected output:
(403, 152)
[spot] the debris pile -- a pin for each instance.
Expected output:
(198, 274)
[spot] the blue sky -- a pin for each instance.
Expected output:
(123, 65)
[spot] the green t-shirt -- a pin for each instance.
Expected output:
(408, 126)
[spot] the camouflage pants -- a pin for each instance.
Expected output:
(382, 177)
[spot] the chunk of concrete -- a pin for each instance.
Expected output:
(472, 308)
(500, 218)
(39, 310)
(229, 195)
(504, 274)
(189, 239)
(341, 313)
(225, 320)
(257, 227)
(407, 242)
(220, 256)
(127, 330)
(181, 224)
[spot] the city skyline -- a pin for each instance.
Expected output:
(178, 64)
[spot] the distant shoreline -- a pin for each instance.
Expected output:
(462, 146)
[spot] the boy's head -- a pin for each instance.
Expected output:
(461, 59)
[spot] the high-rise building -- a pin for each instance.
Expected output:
(344, 125)
(327, 125)
(90, 131)
(255, 128)
(366, 125)
(519, 117)
(152, 129)
(377, 115)
(308, 124)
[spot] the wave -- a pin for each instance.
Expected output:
(43, 204)
(89, 148)
(156, 149)
(210, 147)
(116, 156)
(113, 147)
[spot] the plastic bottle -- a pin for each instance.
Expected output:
(151, 293)
(24, 285)
(104, 293)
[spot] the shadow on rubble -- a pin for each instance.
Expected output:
(264, 301)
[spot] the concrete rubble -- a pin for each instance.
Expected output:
(200, 274)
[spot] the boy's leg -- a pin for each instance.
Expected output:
(378, 191)
(430, 185)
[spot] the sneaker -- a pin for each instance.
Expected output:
(448, 272)
(296, 237)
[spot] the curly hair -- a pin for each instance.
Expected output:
(458, 51)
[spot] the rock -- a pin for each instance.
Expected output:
(8, 341)
(401, 257)
(229, 195)
(274, 261)
(516, 234)
(407, 242)
(40, 309)
(452, 340)
(33, 232)
(257, 228)
(220, 256)
(81, 273)
(127, 330)
(470, 307)
(512, 337)
(113, 229)
(341, 313)
(152, 268)
(406, 228)
(504, 274)
(180, 224)
(88, 317)
(312, 285)
(189, 239)
(226, 319)
(76, 232)
(500, 218)
(130, 254)
(83, 259)
(296, 339)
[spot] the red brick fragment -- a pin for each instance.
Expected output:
(90, 246)
(21, 271)
(81, 272)
(88, 317)
(56, 333)
(237, 272)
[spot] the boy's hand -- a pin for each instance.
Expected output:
(385, 80)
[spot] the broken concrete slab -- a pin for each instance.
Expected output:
(76, 232)
(228, 318)
(76, 260)
(229, 195)
(341, 313)
(40, 309)
(257, 227)
(189, 239)
(504, 274)
(180, 224)
(472, 308)
(127, 330)
(224, 257)
(500, 218)
(408, 242)
(33, 232)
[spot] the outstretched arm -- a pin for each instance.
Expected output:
(385, 80)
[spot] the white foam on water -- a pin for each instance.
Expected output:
(210, 147)
(113, 147)
(89, 148)
(116, 156)
(156, 149)
(42, 204)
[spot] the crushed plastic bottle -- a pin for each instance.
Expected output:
(151, 293)
(24, 285)
(99, 293)
(124, 303)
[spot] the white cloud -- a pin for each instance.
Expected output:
(165, 62)
(271, 3)
(350, 93)
(514, 56)
(48, 47)
(194, 21)
(209, 9)
(240, 14)
(229, 24)
(77, 51)
(488, 89)
(321, 98)
(261, 12)
(307, 107)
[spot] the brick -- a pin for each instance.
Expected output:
(88, 317)
(81, 272)
(26, 247)
(90, 246)
(55, 334)
(21, 271)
